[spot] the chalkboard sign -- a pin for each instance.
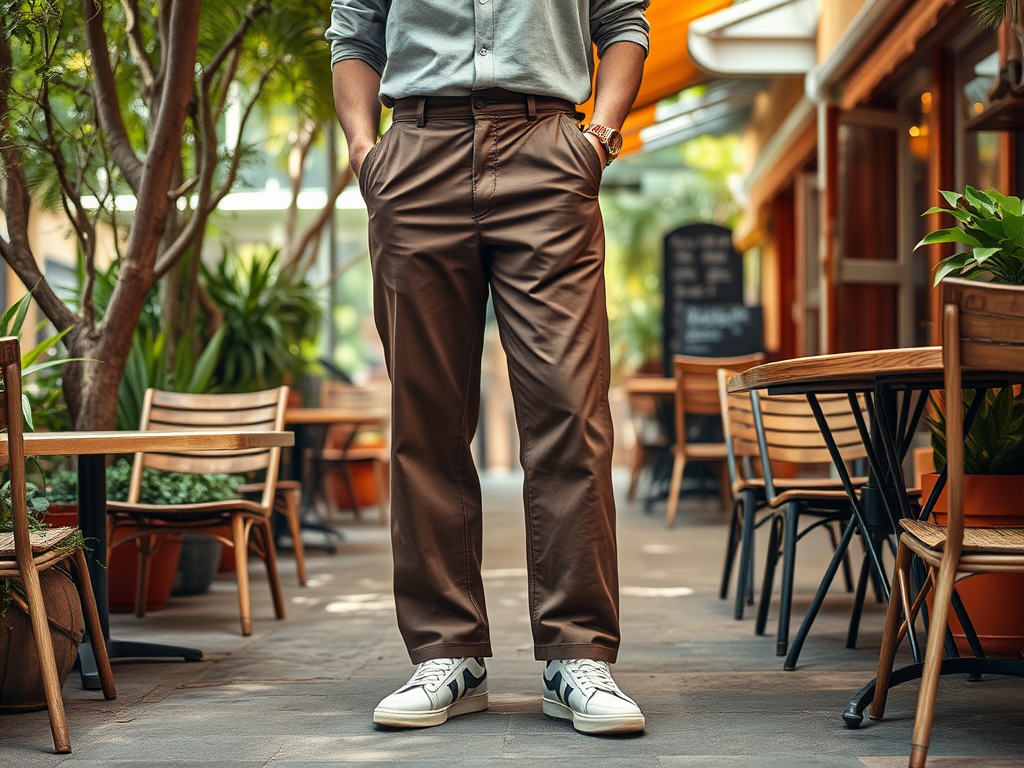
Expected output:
(720, 330)
(702, 268)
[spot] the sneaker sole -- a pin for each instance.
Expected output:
(596, 724)
(396, 719)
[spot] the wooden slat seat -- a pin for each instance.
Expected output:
(248, 520)
(24, 554)
(41, 541)
(1007, 541)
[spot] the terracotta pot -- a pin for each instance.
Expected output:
(21, 681)
(362, 482)
(123, 570)
(993, 501)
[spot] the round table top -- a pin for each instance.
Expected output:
(845, 371)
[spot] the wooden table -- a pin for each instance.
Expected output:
(887, 380)
(650, 385)
(91, 448)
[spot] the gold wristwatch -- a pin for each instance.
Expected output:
(610, 139)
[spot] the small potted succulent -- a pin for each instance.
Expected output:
(991, 227)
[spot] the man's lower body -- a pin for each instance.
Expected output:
(495, 193)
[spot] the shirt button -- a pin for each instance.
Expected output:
(484, 51)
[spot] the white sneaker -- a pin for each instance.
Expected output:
(583, 691)
(439, 689)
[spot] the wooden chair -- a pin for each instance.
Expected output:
(24, 555)
(373, 400)
(697, 394)
(983, 330)
(165, 411)
(287, 503)
(785, 432)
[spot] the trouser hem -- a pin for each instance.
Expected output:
(575, 651)
(453, 651)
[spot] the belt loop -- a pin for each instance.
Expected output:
(421, 110)
(531, 107)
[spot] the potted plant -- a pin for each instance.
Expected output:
(991, 226)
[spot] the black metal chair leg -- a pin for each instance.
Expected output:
(792, 529)
(769, 575)
(744, 583)
(858, 603)
(819, 597)
(847, 570)
(731, 545)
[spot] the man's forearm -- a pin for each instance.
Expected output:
(618, 82)
(356, 85)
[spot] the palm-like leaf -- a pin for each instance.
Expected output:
(990, 13)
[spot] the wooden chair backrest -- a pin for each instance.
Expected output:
(11, 419)
(250, 411)
(697, 385)
(787, 430)
(373, 398)
(983, 330)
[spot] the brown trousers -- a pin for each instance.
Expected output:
(499, 190)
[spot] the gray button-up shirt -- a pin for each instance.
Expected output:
(453, 47)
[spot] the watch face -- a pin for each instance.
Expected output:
(614, 143)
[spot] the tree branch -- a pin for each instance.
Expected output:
(136, 275)
(17, 251)
(301, 143)
(136, 44)
(208, 202)
(314, 230)
(108, 107)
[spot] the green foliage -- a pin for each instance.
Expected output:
(157, 487)
(272, 316)
(990, 13)
(147, 368)
(995, 443)
(41, 399)
(992, 226)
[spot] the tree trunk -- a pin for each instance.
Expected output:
(88, 385)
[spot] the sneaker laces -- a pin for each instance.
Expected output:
(592, 675)
(432, 672)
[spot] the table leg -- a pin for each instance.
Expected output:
(92, 519)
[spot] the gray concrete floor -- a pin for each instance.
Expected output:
(301, 691)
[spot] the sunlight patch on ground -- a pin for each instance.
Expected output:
(659, 549)
(656, 591)
(370, 603)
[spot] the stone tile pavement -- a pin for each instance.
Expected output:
(300, 692)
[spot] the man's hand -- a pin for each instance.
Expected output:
(356, 155)
(598, 147)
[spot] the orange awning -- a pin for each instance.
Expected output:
(668, 69)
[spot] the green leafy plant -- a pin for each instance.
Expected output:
(990, 13)
(272, 316)
(147, 368)
(995, 443)
(157, 487)
(992, 226)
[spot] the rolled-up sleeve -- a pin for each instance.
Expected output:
(616, 21)
(357, 31)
